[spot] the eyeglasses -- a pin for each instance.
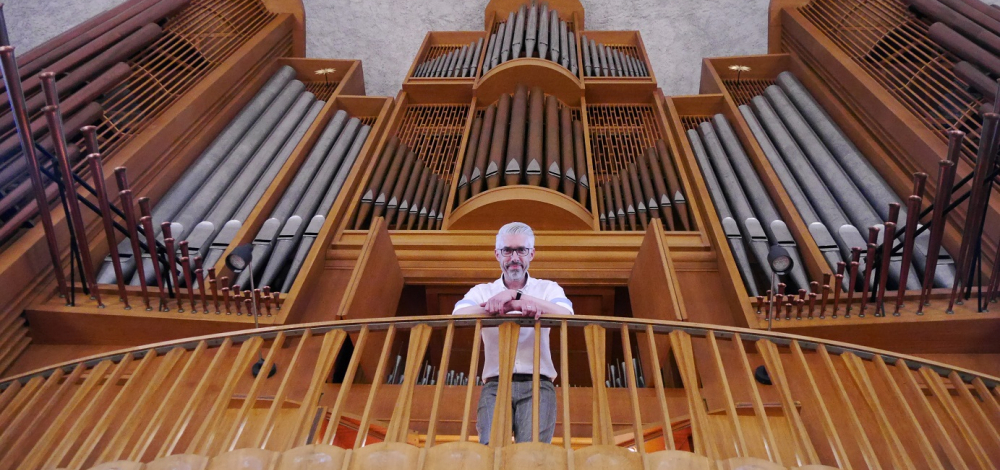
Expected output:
(521, 251)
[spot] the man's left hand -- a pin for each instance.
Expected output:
(528, 308)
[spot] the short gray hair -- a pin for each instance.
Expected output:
(514, 228)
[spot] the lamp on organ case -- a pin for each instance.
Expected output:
(239, 259)
(780, 262)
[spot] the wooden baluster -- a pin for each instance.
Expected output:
(603, 433)
(332, 342)
(202, 442)
(969, 435)
(399, 423)
(856, 431)
(35, 412)
(984, 425)
(500, 435)
(564, 383)
(704, 443)
(41, 448)
(232, 435)
(535, 384)
(267, 426)
(632, 383)
(345, 387)
(727, 394)
(473, 368)
(377, 379)
(831, 431)
(897, 452)
(804, 450)
(915, 395)
(902, 409)
(661, 397)
(984, 394)
(449, 337)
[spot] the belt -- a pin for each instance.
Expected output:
(519, 378)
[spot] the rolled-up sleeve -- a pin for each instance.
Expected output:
(472, 299)
(554, 293)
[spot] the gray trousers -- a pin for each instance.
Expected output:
(521, 406)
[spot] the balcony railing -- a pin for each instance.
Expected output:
(401, 393)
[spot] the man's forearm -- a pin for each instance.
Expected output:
(547, 307)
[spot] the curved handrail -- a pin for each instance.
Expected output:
(659, 326)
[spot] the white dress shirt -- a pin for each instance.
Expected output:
(524, 361)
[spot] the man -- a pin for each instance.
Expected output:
(517, 293)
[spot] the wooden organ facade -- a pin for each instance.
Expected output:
(371, 216)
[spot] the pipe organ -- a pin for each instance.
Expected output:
(217, 252)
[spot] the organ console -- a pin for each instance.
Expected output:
(368, 217)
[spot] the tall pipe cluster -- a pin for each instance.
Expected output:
(460, 62)
(970, 30)
(644, 190)
(527, 138)
(847, 206)
(604, 61)
(749, 216)
(404, 190)
(82, 64)
(534, 31)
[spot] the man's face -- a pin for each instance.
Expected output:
(514, 265)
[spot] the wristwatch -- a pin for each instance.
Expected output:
(518, 296)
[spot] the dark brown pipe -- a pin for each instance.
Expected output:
(256, 300)
(981, 184)
(147, 227)
(102, 22)
(267, 300)
(965, 25)
(869, 267)
(812, 304)
(887, 244)
(619, 207)
(965, 49)
(90, 139)
(852, 282)
(662, 193)
(413, 180)
(168, 242)
(438, 201)
(477, 181)
(646, 182)
(12, 80)
(368, 198)
(838, 286)
(4, 37)
(392, 206)
(470, 160)
(76, 101)
(237, 301)
(826, 295)
(418, 198)
(214, 283)
(582, 174)
(384, 194)
(680, 202)
(498, 145)
(640, 206)
(946, 180)
(536, 137)
(440, 215)
(630, 206)
(760, 304)
(18, 167)
(199, 275)
(188, 277)
(909, 238)
(125, 197)
(976, 80)
(117, 53)
(568, 162)
(602, 209)
(514, 164)
(97, 174)
(225, 296)
(610, 207)
(248, 304)
(426, 206)
(54, 119)
(553, 173)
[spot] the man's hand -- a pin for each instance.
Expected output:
(500, 303)
(528, 308)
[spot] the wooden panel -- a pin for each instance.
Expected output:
(653, 287)
(377, 280)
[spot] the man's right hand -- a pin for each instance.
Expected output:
(500, 303)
